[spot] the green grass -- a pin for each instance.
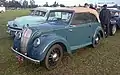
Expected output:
(103, 60)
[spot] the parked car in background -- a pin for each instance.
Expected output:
(115, 20)
(2, 9)
(65, 30)
(38, 15)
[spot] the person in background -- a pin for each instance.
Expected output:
(46, 4)
(86, 5)
(105, 16)
(91, 6)
(96, 6)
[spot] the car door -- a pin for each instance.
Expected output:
(93, 22)
(80, 30)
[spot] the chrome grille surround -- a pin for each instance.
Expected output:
(25, 39)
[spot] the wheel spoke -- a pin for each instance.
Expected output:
(54, 56)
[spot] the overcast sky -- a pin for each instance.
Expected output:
(73, 2)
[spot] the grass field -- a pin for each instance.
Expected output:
(103, 60)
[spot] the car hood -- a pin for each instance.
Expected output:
(31, 20)
(48, 27)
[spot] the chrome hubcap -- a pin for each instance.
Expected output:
(114, 29)
(97, 40)
(55, 57)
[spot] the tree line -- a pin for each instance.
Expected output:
(24, 4)
(18, 4)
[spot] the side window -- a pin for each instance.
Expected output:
(92, 17)
(81, 18)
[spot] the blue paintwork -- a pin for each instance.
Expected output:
(31, 20)
(23, 21)
(50, 33)
(40, 51)
(19, 23)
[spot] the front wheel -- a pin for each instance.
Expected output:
(113, 29)
(53, 56)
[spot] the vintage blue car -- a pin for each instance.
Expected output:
(65, 30)
(38, 15)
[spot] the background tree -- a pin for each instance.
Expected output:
(25, 4)
(13, 4)
(2, 2)
(32, 3)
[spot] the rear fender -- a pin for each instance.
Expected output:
(99, 31)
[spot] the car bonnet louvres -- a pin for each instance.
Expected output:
(24, 40)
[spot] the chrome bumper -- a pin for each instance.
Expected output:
(38, 61)
(13, 30)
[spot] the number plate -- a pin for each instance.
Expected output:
(19, 58)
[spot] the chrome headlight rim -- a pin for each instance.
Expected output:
(18, 35)
(37, 42)
(7, 25)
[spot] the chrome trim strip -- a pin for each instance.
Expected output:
(38, 61)
(25, 39)
(14, 29)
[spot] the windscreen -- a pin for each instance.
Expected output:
(37, 13)
(60, 16)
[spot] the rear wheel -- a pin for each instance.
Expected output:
(113, 29)
(96, 40)
(53, 56)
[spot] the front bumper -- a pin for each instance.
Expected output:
(31, 59)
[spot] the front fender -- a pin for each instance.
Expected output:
(46, 42)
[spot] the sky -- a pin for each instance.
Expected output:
(73, 2)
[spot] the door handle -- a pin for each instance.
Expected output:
(89, 25)
(70, 30)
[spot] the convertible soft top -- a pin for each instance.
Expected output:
(72, 9)
(82, 9)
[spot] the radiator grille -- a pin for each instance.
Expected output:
(25, 39)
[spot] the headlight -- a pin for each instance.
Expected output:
(36, 42)
(113, 21)
(18, 35)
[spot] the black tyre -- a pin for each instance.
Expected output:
(113, 30)
(96, 40)
(53, 57)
